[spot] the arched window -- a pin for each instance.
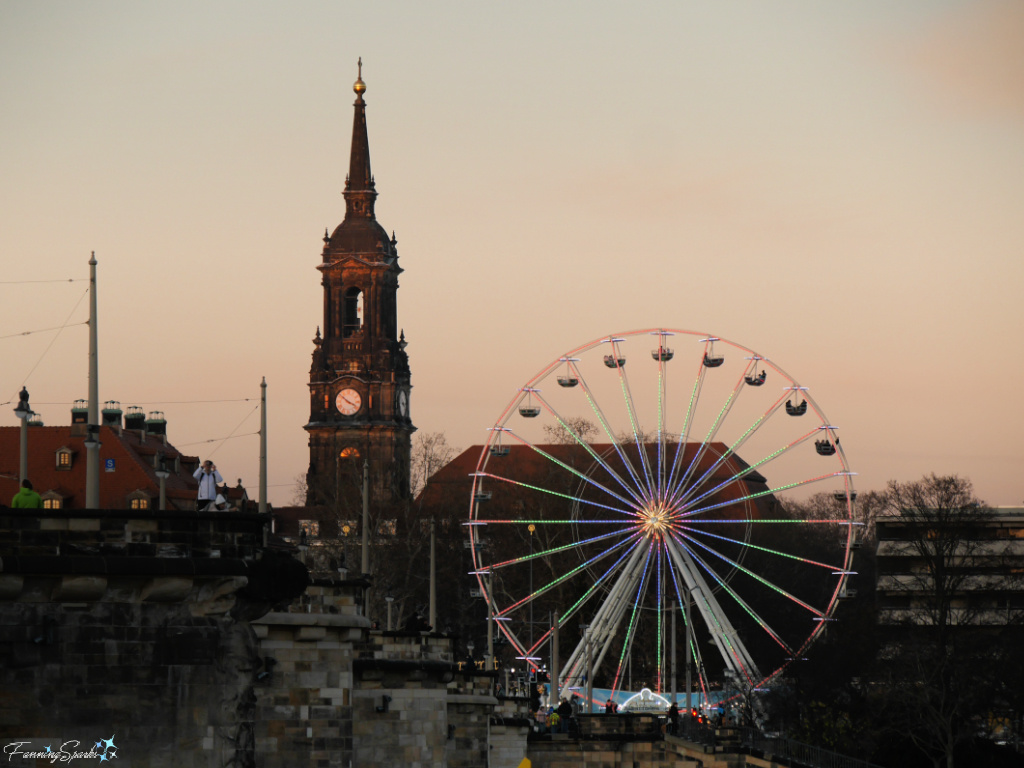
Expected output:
(352, 318)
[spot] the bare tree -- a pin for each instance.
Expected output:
(933, 555)
(574, 429)
(430, 452)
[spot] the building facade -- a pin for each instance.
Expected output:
(955, 572)
(359, 381)
(134, 453)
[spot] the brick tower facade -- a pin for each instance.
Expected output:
(359, 382)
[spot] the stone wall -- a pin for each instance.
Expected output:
(304, 708)
(131, 628)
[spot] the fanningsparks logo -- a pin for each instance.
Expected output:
(57, 751)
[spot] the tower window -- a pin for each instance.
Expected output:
(352, 321)
(350, 453)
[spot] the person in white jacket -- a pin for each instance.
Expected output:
(208, 478)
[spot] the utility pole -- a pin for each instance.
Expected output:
(433, 577)
(366, 534)
(92, 441)
(263, 446)
(24, 412)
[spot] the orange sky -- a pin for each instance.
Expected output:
(838, 188)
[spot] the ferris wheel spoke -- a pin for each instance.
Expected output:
(689, 513)
(558, 494)
(730, 647)
(603, 421)
(687, 497)
(634, 618)
(712, 432)
(760, 579)
(609, 615)
(682, 493)
(627, 396)
(690, 532)
(662, 354)
(555, 550)
(683, 598)
(582, 567)
(593, 454)
(698, 385)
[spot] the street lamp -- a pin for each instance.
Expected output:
(23, 410)
(531, 528)
(163, 474)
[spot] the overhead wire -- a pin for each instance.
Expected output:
(55, 337)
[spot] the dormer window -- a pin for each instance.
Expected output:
(138, 500)
(65, 458)
(52, 500)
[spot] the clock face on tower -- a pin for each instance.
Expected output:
(403, 403)
(348, 401)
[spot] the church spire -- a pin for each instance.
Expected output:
(360, 191)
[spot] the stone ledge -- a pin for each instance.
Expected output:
(281, 619)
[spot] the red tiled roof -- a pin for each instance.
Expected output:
(526, 465)
(131, 452)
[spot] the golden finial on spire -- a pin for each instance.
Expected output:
(359, 86)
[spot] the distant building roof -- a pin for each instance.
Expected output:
(128, 462)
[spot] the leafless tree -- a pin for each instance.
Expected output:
(941, 665)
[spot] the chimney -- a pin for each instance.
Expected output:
(111, 414)
(135, 418)
(79, 418)
(156, 424)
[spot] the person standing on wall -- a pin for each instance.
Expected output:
(208, 478)
(26, 497)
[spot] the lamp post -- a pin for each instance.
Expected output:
(531, 528)
(163, 474)
(23, 410)
(92, 442)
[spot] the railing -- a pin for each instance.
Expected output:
(799, 753)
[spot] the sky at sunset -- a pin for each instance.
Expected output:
(838, 186)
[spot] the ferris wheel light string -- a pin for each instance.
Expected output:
(698, 385)
(564, 577)
(627, 396)
(611, 437)
(578, 474)
(752, 575)
(629, 489)
(739, 601)
(743, 438)
(634, 615)
(594, 587)
(686, 496)
(562, 548)
(759, 494)
(763, 549)
(566, 496)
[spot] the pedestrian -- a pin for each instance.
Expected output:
(673, 719)
(26, 498)
(208, 478)
(564, 712)
(609, 707)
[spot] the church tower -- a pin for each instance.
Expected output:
(359, 382)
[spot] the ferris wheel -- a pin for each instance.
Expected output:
(632, 500)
